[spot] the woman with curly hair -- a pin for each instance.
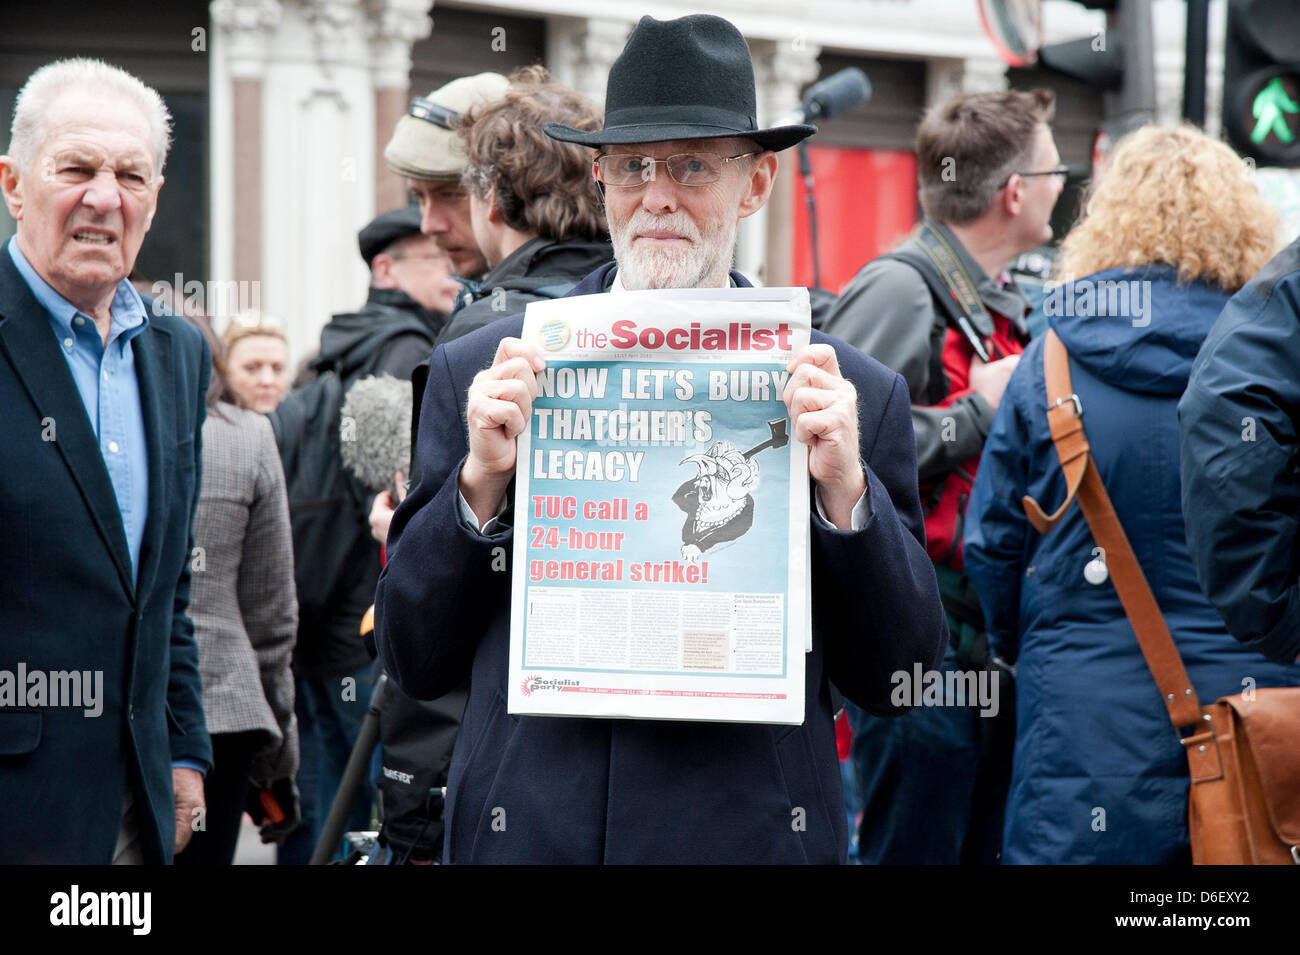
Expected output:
(1171, 229)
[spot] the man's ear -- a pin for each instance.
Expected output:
(759, 181)
(11, 186)
(494, 213)
(1013, 195)
(381, 271)
(153, 201)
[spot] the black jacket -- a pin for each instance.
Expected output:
(72, 602)
(390, 335)
(538, 269)
(539, 264)
(336, 559)
(416, 736)
(555, 790)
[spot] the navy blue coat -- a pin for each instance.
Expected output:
(67, 601)
(636, 791)
(1094, 746)
(1240, 423)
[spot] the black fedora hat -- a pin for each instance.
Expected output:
(689, 78)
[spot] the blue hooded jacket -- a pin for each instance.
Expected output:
(1099, 775)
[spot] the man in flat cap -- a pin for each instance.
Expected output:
(428, 150)
(681, 160)
(428, 153)
(411, 294)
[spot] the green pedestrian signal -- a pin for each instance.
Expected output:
(1261, 80)
(1269, 109)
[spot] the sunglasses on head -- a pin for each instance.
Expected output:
(431, 112)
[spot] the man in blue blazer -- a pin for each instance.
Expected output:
(680, 161)
(101, 716)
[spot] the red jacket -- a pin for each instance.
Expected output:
(944, 498)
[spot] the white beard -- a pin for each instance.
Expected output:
(644, 267)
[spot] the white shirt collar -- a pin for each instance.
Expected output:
(618, 282)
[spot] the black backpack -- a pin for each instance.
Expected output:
(336, 563)
(416, 739)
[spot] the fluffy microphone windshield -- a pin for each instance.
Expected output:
(375, 430)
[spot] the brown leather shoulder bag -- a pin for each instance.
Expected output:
(1243, 751)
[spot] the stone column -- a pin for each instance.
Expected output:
(582, 49)
(947, 77)
(765, 243)
(396, 25)
(242, 27)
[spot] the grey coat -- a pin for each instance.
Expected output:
(890, 313)
(243, 602)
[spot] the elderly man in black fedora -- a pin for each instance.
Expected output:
(680, 160)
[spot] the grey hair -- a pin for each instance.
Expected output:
(43, 87)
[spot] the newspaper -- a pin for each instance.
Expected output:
(661, 556)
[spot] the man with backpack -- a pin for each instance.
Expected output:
(411, 294)
(942, 311)
(336, 563)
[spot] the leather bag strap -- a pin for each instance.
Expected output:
(1065, 416)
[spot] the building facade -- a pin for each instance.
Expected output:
(283, 108)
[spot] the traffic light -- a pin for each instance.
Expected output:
(1119, 61)
(1261, 80)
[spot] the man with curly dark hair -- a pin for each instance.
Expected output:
(534, 208)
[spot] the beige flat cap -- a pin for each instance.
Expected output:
(421, 149)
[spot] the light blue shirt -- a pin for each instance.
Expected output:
(109, 389)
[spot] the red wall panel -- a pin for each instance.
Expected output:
(866, 203)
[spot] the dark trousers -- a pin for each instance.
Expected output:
(224, 790)
(330, 714)
(933, 783)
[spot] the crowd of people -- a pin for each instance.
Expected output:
(178, 515)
